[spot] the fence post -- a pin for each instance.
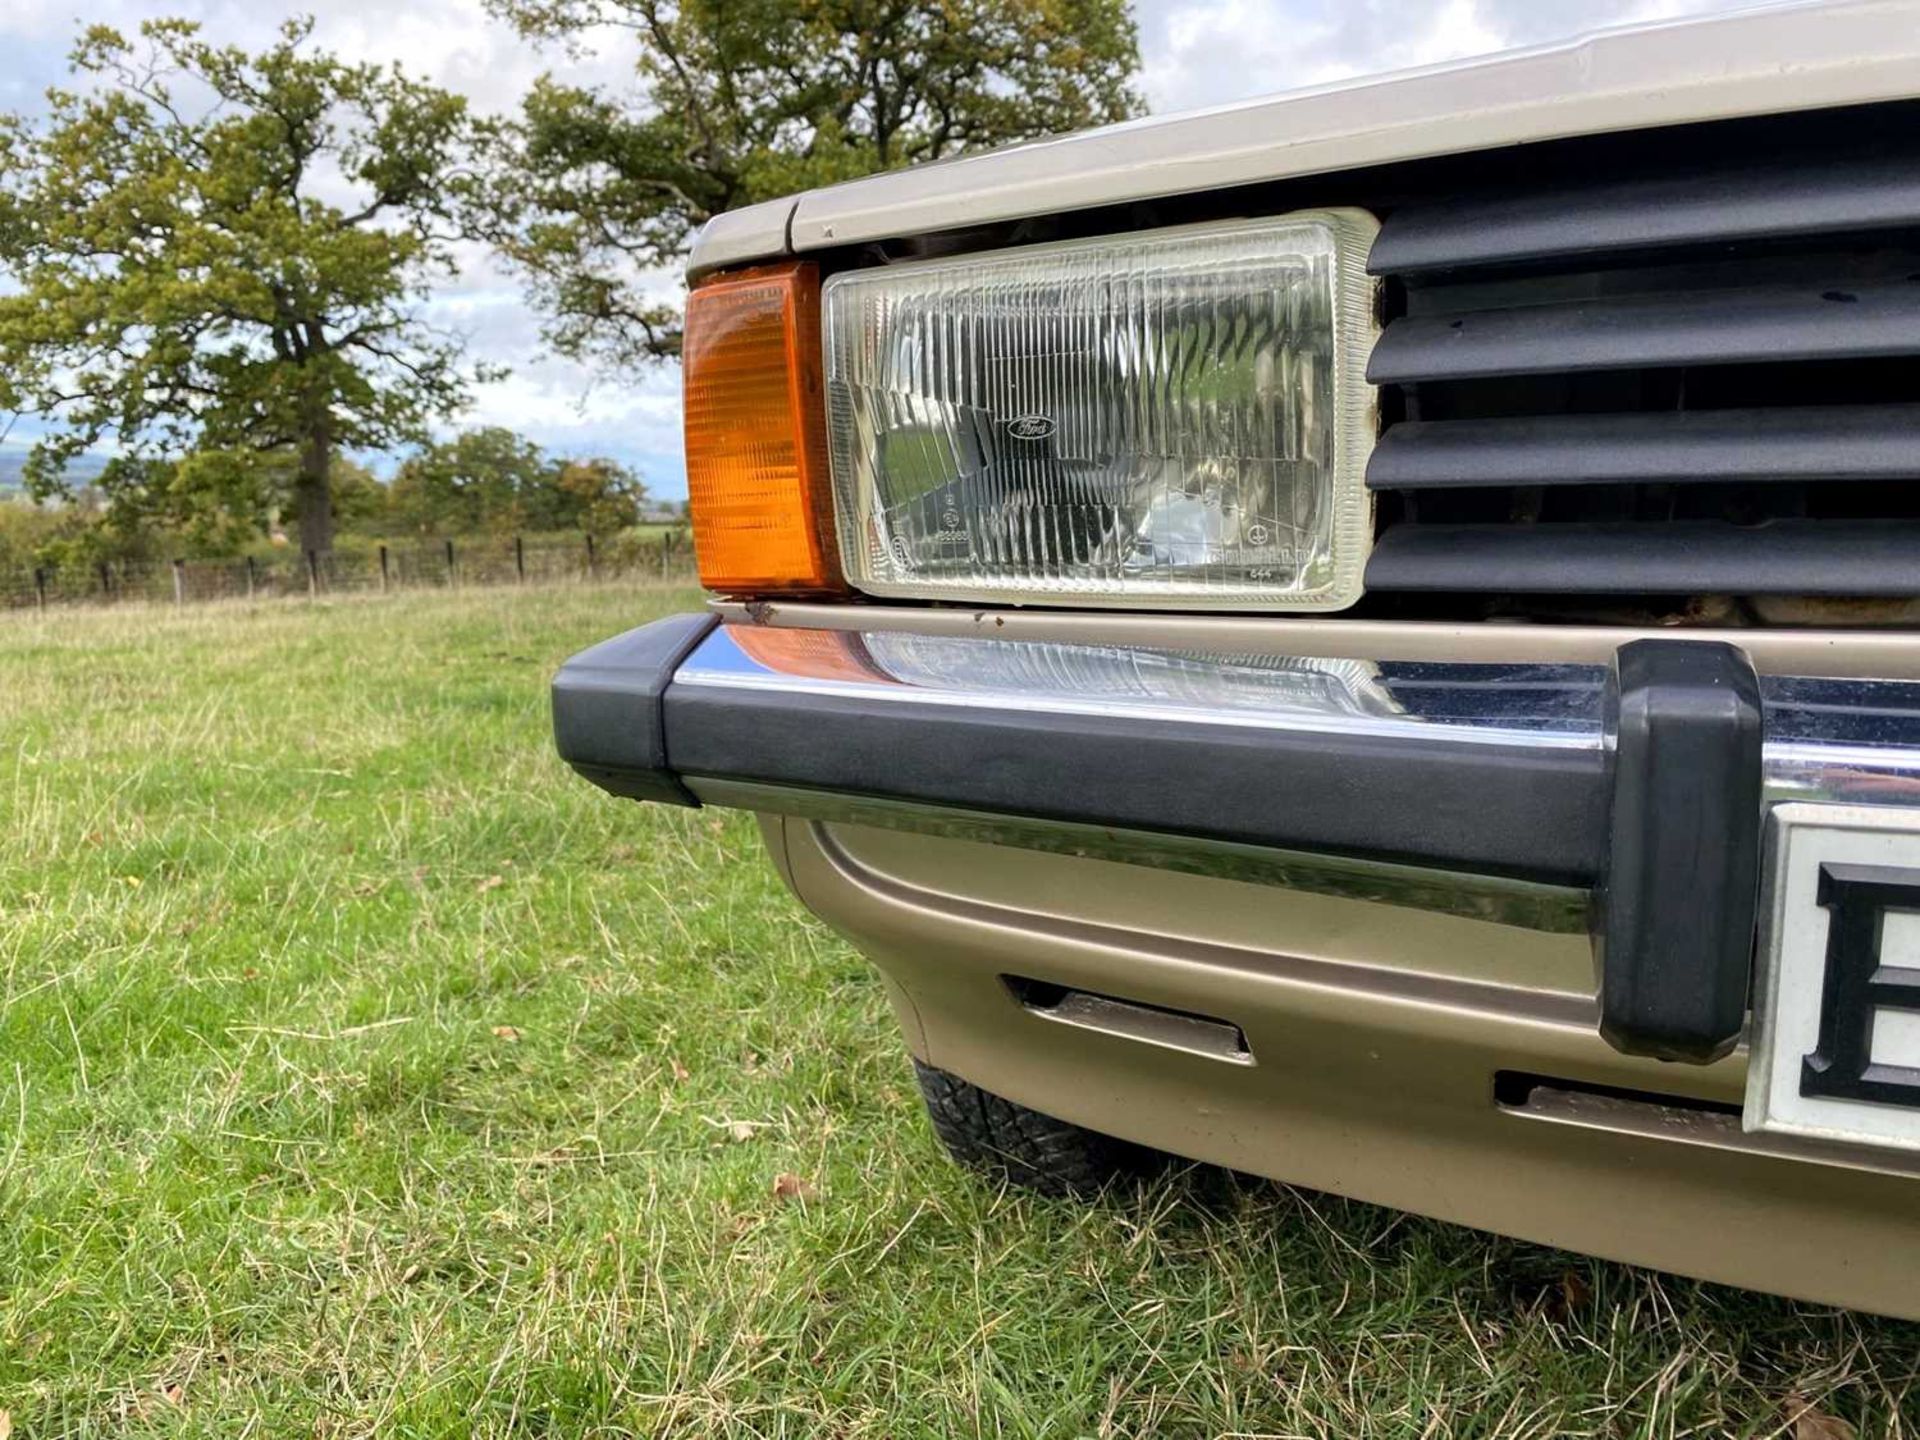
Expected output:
(249, 577)
(589, 552)
(383, 569)
(106, 582)
(179, 581)
(666, 549)
(520, 559)
(40, 585)
(450, 571)
(313, 574)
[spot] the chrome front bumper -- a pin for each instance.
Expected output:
(1507, 791)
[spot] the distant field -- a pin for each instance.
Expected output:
(363, 1073)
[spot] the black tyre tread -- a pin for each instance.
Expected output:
(1032, 1150)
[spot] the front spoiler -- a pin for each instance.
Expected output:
(1638, 789)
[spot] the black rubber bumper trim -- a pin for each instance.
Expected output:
(1666, 826)
(1485, 808)
(1678, 904)
(608, 721)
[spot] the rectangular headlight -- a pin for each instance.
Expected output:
(1175, 417)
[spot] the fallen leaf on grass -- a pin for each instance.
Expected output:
(492, 882)
(505, 1032)
(680, 1072)
(1809, 1422)
(741, 1130)
(1574, 1291)
(6, 1424)
(146, 1402)
(788, 1186)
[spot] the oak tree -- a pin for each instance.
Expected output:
(747, 100)
(225, 255)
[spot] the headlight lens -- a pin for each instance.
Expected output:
(1178, 416)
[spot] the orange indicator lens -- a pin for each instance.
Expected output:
(756, 433)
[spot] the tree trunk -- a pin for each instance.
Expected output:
(313, 492)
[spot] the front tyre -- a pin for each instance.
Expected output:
(1032, 1150)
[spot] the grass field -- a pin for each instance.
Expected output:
(363, 1073)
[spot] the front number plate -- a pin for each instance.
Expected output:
(1836, 1043)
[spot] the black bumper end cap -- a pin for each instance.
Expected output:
(609, 719)
(1677, 903)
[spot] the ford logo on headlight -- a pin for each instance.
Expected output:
(1030, 427)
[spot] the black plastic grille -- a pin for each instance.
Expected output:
(1704, 381)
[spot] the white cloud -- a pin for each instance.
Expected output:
(451, 42)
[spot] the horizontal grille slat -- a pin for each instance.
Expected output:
(1799, 557)
(1815, 444)
(1770, 202)
(1699, 328)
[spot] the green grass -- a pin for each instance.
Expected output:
(363, 1073)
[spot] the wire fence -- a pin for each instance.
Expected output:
(439, 564)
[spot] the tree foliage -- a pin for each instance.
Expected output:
(496, 481)
(748, 100)
(223, 255)
(207, 505)
(33, 535)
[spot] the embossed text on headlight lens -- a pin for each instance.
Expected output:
(1176, 417)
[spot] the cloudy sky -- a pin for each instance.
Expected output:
(1195, 52)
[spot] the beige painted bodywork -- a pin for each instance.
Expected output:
(1770, 60)
(1375, 1033)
